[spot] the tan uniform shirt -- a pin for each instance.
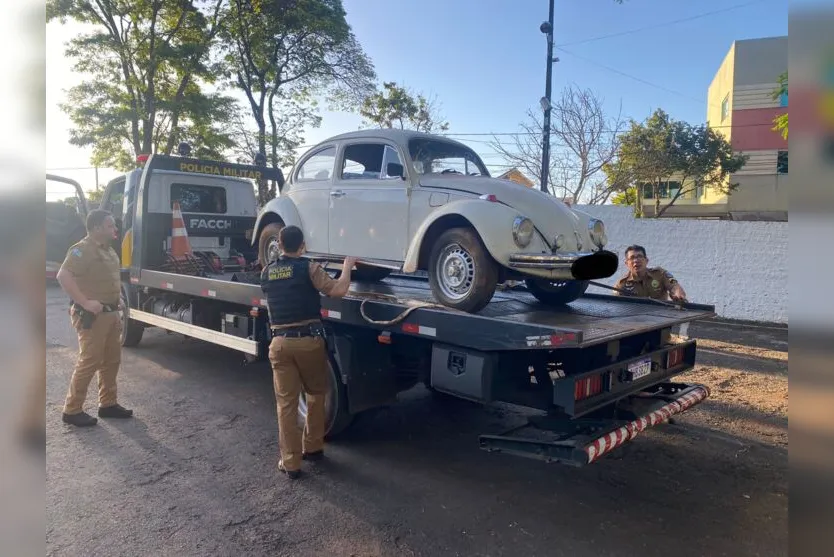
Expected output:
(657, 284)
(322, 282)
(96, 270)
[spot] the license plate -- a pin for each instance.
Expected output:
(639, 369)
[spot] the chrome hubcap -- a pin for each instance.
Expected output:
(272, 249)
(456, 272)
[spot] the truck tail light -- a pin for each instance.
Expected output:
(587, 387)
(674, 357)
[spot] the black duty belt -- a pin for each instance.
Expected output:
(299, 332)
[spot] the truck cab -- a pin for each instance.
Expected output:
(219, 214)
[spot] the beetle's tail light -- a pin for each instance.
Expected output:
(489, 197)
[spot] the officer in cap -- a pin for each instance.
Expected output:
(293, 286)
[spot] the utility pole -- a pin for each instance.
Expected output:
(547, 29)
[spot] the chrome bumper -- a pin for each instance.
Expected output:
(552, 261)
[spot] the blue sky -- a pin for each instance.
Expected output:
(484, 60)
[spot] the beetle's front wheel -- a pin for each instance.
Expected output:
(462, 274)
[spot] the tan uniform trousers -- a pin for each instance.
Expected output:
(100, 350)
(299, 363)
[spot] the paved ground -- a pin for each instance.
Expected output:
(194, 473)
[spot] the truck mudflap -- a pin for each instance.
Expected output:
(580, 442)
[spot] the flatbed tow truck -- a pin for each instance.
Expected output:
(599, 371)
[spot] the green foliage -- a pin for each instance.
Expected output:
(661, 148)
(148, 63)
(278, 53)
(626, 197)
(781, 121)
(396, 107)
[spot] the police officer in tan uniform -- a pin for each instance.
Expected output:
(647, 282)
(90, 275)
(298, 352)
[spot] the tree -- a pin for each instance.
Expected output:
(584, 140)
(278, 52)
(661, 149)
(397, 107)
(781, 121)
(147, 62)
(626, 197)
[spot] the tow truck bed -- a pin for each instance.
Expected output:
(514, 320)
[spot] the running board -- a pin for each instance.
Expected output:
(209, 335)
(582, 442)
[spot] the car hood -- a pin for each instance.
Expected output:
(550, 215)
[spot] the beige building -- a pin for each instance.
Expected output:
(740, 105)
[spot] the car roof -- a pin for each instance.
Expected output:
(396, 135)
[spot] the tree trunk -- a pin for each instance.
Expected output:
(274, 131)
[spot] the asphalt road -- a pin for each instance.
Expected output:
(195, 474)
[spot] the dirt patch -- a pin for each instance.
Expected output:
(749, 390)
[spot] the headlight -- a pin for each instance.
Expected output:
(523, 231)
(596, 229)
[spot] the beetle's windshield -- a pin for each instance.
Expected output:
(431, 156)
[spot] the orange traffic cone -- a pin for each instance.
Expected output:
(180, 246)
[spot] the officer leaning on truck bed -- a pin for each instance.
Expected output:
(647, 282)
(90, 275)
(298, 352)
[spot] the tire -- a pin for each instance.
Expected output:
(132, 331)
(368, 273)
(555, 293)
(337, 416)
(476, 273)
(268, 243)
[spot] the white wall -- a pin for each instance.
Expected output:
(740, 267)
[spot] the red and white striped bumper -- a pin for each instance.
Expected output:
(611, 440)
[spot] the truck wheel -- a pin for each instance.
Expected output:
(369, 273)
(554, 292)
(337, 417)
(462, 274)
(268, 243)
(132, 331)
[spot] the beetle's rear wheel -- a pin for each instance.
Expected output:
(268, 249)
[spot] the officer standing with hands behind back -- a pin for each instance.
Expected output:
(90, 275)
(298, 352)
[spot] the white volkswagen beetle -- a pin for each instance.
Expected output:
(408, 201)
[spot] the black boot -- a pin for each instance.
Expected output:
(82, 419)
(314, 456)
(115, 411)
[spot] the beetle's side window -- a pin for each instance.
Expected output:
(363, 161)
(318, 167)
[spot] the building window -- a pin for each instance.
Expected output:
(782, 162)
(725, 107)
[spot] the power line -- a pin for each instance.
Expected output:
(659, 25)
(635, 78)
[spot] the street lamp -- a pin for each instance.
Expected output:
(547, 29)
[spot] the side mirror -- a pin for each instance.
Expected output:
(394, 169)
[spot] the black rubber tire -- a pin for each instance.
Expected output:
(132, 331)
(556, 293)
(485, 277)
(368, 273)
(270, 232)
(337, 416)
